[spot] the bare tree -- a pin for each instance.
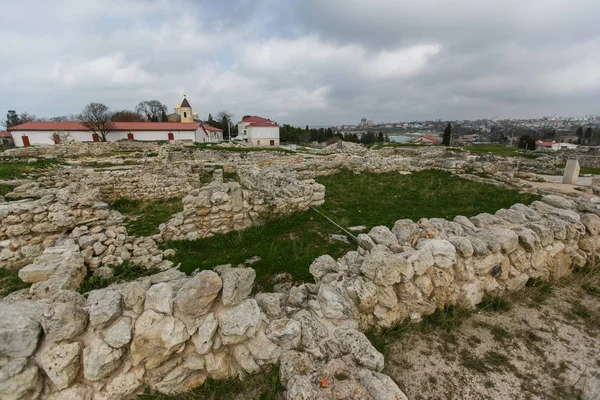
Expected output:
(225, 118)
(127, 116)
(153, 110)
(97, 118)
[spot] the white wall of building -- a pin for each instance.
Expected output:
(263, 135)
(45, 137)
(208, 136)
(241, 127)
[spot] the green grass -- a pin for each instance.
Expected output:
(4, 189)
(496, 304)
(142, 217)
(287, 244)
(18, 169)
(593, 171)
(381, 199)
(291, 243)
(539, 290)
(10, 282)
(122, 273)
(499, 149)
(260, 386)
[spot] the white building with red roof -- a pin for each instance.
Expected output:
(258, 131)
(48, 133)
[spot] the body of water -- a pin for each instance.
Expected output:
(400, 138)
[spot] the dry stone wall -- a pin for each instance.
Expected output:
(169, 332)
(222, 207)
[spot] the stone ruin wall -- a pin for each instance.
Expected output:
(81, 149)
(221, 207)
(30, 227)
(169, 332)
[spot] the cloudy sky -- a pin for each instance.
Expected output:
(316, 62)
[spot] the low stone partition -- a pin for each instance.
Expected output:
(150, 181)
(76, 149)
(222, 207)
(170, 332)
(27, 227)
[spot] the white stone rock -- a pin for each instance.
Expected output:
(100, 360)
(19, 331)
(244, 358)
(196, 296)
(105, 305)
(240, 322)
(382, 235)
(75, 392)
(27, 384)
(322, 266)
(404, 229)
(160, 298)
(203, 338)
(285, 332)
(119, 333)
(156, 337)
(358, 346)
(334, 304)
(65, 317)
(271, 304)
(443, 252)
(61, 363)
(237, 285)
(380, 386)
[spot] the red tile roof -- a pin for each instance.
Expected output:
(255, 118)
(431, 138)
(5, 134)
(117, 126)
(263, 124)
(211, 128)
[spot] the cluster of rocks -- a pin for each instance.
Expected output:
(169, 332)
(27, 227)
(222, 207)
(103, 247)
(148, 181)
(79, 149)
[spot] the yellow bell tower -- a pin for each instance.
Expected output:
(185, 110)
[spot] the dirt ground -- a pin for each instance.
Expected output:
(546, 346)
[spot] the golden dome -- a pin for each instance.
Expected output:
(178, 106)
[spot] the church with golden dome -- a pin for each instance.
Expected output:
(184, 113)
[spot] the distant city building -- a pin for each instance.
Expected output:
(555, 145)
(259, 131)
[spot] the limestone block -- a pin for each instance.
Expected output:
(60, 361)
(105, 305)
(237, 284)
(100, 360)
(160, 298)
(19, 331)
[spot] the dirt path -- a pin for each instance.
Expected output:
(547, 346)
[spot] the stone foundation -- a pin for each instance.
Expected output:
(169, 332)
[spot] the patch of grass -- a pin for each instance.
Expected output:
(142, 217)
(10, 282)
(539, 290)
(381, 199)
(4, 189)
(580, 310)
(500, 150)
(494, 304)
(500, 334)
(18, 169)
(446, 319)
(122, 273)
(497, 360)
(587, 170)
(591, 289)
(264, 385)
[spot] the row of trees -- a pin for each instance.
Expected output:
(292, 134)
